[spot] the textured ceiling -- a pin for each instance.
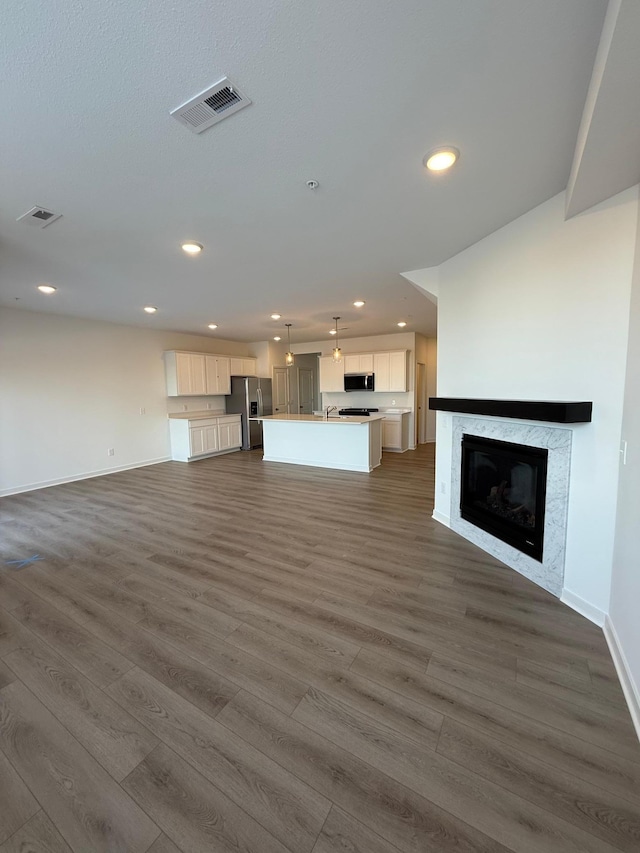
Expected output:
(350, 94)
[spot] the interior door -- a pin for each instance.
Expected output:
(280, 390)
(305, 391)
(421, 388)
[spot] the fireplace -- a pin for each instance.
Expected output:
(502, 491)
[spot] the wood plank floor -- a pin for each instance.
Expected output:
(234, 655)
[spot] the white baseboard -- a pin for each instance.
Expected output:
(629, 687)
(86, 476)
(585, 608)
(443, 519)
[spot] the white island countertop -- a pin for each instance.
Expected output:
(321, 419)
(196, 416)
(314, 440)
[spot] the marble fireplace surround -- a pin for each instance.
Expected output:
(557, 440)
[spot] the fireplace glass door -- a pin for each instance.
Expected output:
(503, 491)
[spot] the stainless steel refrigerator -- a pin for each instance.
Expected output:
(250, 397)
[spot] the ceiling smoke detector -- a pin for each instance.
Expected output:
(211, 106)
(39, 216)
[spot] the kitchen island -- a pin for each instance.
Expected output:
(347, 443)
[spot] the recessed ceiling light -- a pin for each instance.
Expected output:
(402, 324)
(150, 309)
(277, 338)
(212, 326)
(439, 159)
(332, 332)
(275, 316)
(47, 288)
(192, 248)
(359, 303)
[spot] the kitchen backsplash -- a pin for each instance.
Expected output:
(368, 399)
(196, 404)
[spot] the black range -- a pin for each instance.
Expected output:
(357, 412)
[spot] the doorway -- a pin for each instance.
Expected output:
(306, 395)
(281, 395)
(421, 402)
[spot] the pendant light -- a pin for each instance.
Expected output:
(288, 357)
(337, 352)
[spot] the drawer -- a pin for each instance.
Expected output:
(229, 419)
(203, 422)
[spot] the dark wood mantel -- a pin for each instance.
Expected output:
(529, 410)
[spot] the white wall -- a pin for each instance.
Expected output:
(269, 354)
(432, 385)
(539, 311)
(71, 388)
(624, 613)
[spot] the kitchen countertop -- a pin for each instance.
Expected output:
(320, 419)
(195, 416)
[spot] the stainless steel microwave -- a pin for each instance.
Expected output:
(359, 381)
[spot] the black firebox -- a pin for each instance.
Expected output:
(503, 487)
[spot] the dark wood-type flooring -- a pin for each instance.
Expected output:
(241, 656)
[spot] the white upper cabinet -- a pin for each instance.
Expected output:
(218, 376)
(360, 363)
(186, 374)
(196, 374)
(398, 371)
(244, 366)
(390, 369)
(366, 363)
(352, 364)
(331, 374)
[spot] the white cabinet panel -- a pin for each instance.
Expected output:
(196, 374)
(352, 364)
(359, 363)
(392, 433)
(381, 371)
(366, 363)
(395, 432)
(390, 370)
(193, 439)
(244, 366)
(331, 374)
(218, 376)
(229, 434)
(185, 374)
(398, 371)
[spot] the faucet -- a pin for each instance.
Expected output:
(330, 409)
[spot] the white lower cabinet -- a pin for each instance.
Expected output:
(200, 437)
(395, 432)
(229, 433)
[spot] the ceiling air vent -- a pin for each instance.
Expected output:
(211, 106)
(39, 216)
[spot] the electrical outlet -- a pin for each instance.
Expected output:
(185, 408)
(393, 402)
(208, 405)
(143, 411)
(111, 451)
